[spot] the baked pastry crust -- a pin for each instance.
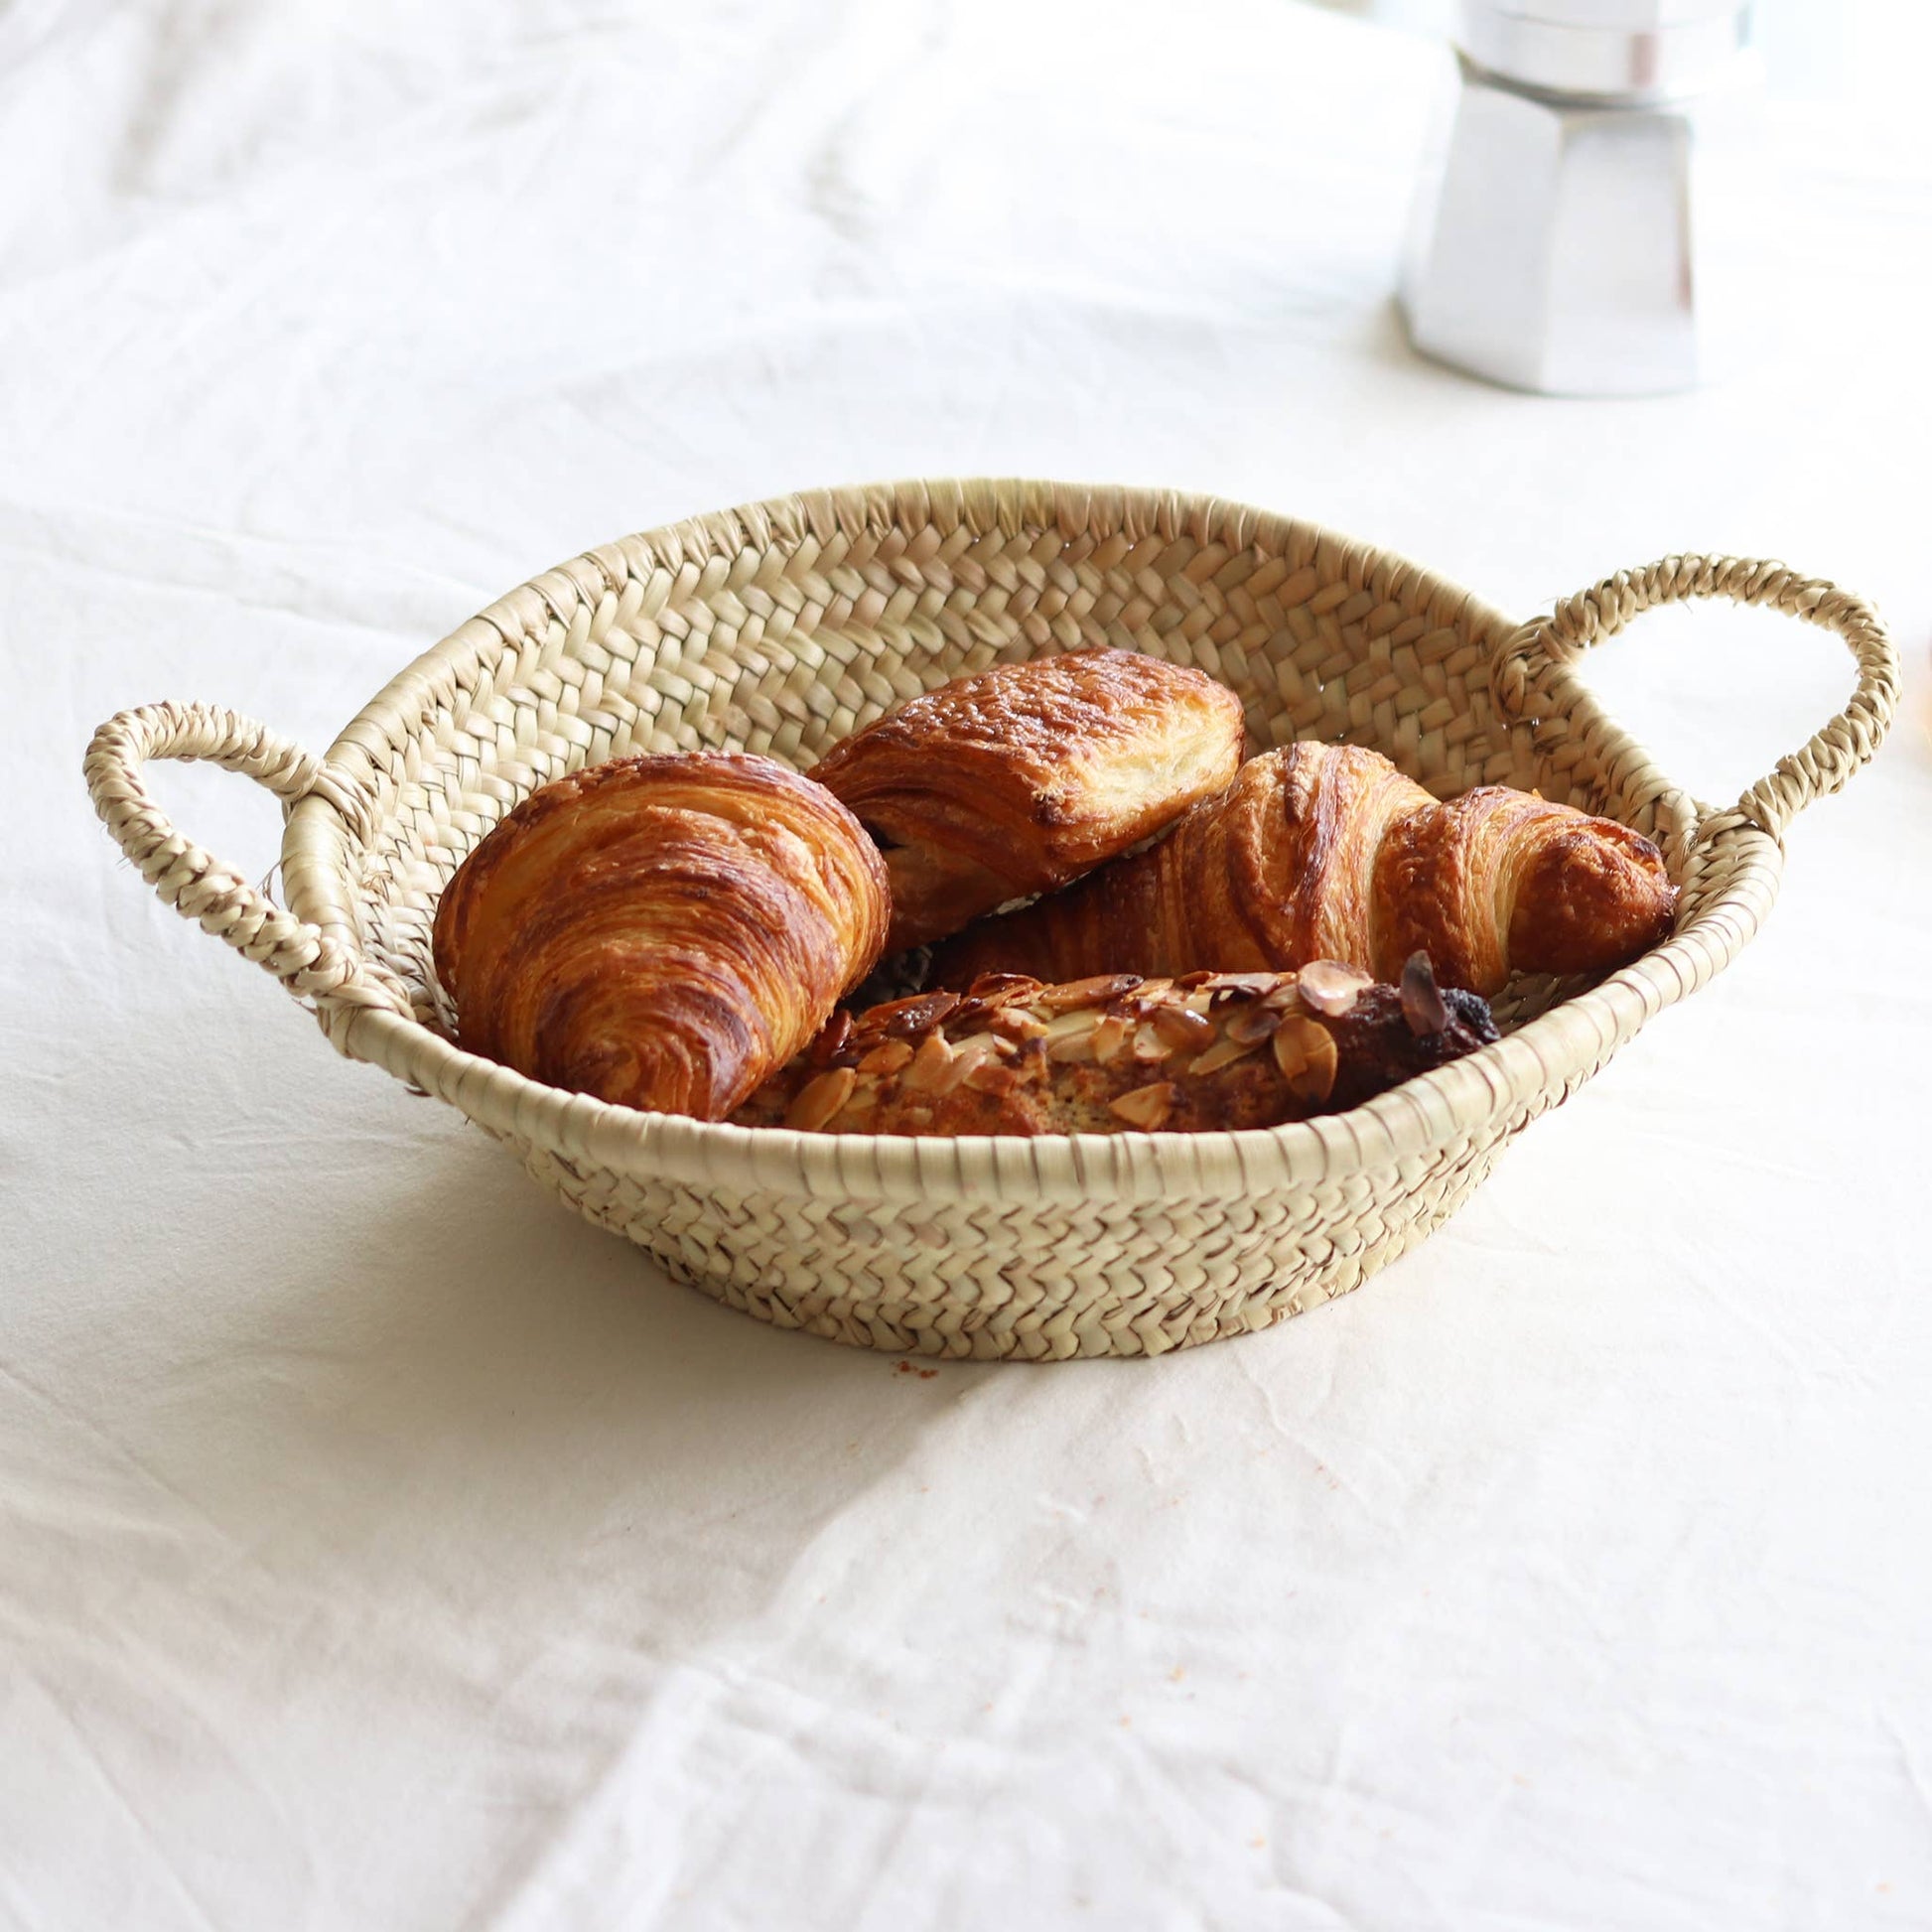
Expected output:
(1118, 1053)
(661, 931)
(1328, 851)
(1018, 780)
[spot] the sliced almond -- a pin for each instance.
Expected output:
(1094, 991)
(1224, 1053)
(1188, 981)
(1284, 997)
(1149, 1042)
(993, 986)
(1332, 988)
(929, 1065)
(991, 1077)
(908, 1019)
(1016, 1023)
(1071, 1036)
(1145, 1107)
(1248, 985)
(820, 1098)
(875, 1018)
(831, 1036)
(1111, 1033)
(1290, 1044)
(981, 1051)
(1183, 1027)
(1305, 1050)
(1249, 1025)
(1423, 1005)
(886, 1058)
(1071, 1026)
(1201, 1000)
(1318, 1080)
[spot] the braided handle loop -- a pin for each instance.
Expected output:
(194, 883)
(1530, 672)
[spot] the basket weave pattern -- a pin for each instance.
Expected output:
(779, 628)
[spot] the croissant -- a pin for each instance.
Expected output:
(661, 931)
(1328, 851)
(1016, 780)
(1106, 1054)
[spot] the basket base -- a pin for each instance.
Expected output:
(994, 1281)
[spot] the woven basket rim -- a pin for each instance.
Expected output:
(1536, 1063)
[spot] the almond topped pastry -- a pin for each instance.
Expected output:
(1101, 1055)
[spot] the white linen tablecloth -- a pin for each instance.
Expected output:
(382, 1547)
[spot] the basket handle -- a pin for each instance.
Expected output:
(194, 883)
(1534, 659)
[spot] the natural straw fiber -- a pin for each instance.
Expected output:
(779, 628)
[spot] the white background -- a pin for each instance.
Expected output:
(381, 1547)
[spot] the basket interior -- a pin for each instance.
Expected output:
(782, 628)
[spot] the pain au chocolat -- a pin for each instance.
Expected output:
(1016, 780)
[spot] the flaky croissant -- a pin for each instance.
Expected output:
(1328, 851)
(661, 931)
(1016, 780)
(1108, 1055)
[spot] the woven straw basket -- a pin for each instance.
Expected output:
(782, 626)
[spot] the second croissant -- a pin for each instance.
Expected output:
(1328, 851)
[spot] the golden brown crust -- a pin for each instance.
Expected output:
(1328, 851)
(1117, 1053)
(1016, 780)
(661, 931)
